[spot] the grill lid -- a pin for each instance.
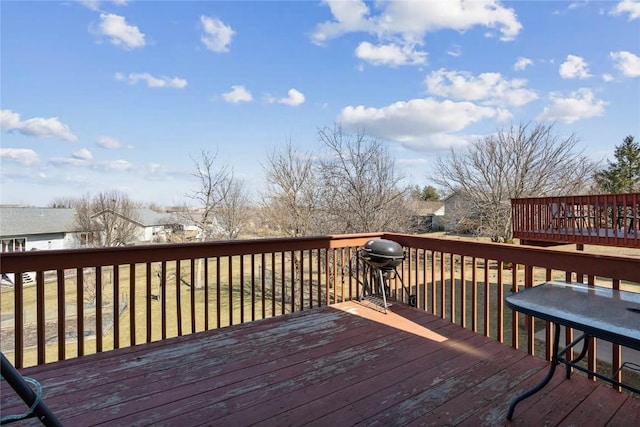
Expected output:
(385, 248)
(382, 253)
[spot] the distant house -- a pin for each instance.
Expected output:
(459, 216)
(24, 229)
(150, 226)
(426, 216)
(155, 226)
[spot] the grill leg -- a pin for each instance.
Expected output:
(383, 285)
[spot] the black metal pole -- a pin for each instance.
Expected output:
(383, 285)
(545, 381)
(26, 393)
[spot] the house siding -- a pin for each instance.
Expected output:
(26, 229)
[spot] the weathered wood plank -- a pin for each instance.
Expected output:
(178, 352)
(335, 359)
(627, 415)
(431, 379)
(340, 365)
(495, 414)
(205, 374)
(482, 391)
(380, 365)
(554, 406)
(597, 409)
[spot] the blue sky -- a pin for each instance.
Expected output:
(102, 95)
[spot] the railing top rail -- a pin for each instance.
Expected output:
(616, 266)
(91, 257)
(601, 198)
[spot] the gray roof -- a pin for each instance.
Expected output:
(20, 221)
(424, 208)
(148, 217)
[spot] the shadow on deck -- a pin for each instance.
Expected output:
(340, 365)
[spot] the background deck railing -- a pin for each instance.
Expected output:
(94, 300)
(600, 219)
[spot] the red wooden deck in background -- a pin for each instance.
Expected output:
(341, 365)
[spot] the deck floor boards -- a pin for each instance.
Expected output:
(347, 364)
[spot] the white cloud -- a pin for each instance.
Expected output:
(390, 54)
(217, 36)
(522, 63)
(237, 94)
(82, 154)
(576, 5)
(109, 143)
(95, 4)
(9, 120)
(412, 163)
(627, 63)
(574, 68)
(491, 88)
(455, 51)
(152, 81)
(68, 161)
(632, 7)
(37, 126)
(581, 104)
(116, 165)
(81, 157)
(294, 98)
(411, 20)
(90, 4)
(119, 32)
(24, 156)
(418, 123)
(350, 16)
(607, 78)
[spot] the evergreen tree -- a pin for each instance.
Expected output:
(623, 174)
(426, 193)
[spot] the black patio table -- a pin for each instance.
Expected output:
(599, 312)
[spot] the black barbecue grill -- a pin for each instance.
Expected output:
(381, 258)
(382, 254)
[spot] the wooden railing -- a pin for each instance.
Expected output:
(603, 219)
(94, 300)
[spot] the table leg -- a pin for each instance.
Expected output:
(26, 393)
(585, 338)
(545, 381)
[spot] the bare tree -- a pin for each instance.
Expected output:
(361, 189)
(90, 285)
(64, 202)
(106, 219)
(233, 212)
(291, 196)
(218, 199)
(289, 202)
(521, 161)
(209, 193)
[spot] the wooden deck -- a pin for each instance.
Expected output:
(594, 219)
(340, 365)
